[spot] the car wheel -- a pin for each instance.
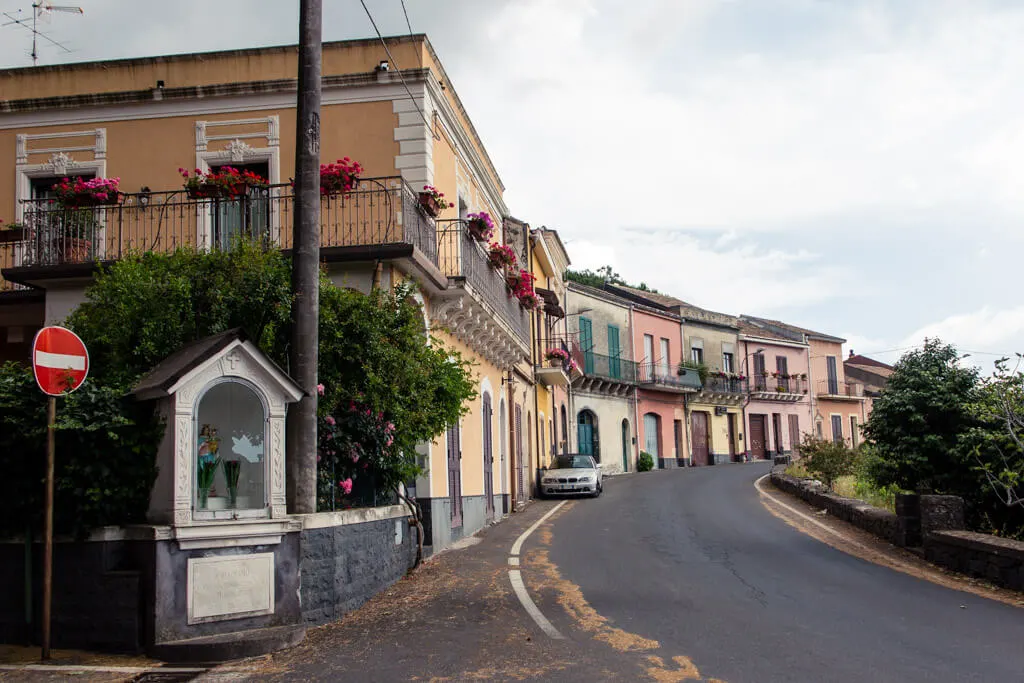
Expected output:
(597, 492)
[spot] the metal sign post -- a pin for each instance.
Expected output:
(60, 363)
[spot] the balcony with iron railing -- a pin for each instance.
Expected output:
(838, 390)
(379, 213)
(768, 387)
(665, 377)
(464, 261)
(725, 386)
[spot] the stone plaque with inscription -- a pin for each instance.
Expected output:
(230, 587)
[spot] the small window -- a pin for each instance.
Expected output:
(727, 362)
(837, 428)
(697, 355)
(853, 430)
(230, 462)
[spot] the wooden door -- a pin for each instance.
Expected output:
(777, 432)
(731, 421)
(455, 475)
(837, 428)
(625, 445)
(585, 433)
(833, 377)
(760, 381)
(677, 426)
(518, 465)
(782, 367)
(488, 457)
(614, 366)
(699, 435)
(651, 427)
(794, 433)
(756, 436)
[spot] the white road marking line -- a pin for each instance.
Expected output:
(74, 668)
(892, 562)
(518, 545)
(516, 577)
(514, 561)
(60, 361)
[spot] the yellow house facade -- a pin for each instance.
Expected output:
(142, 119)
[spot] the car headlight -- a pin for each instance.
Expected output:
(586, 479)
(549, 480)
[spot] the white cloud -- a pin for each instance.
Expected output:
(989, 330)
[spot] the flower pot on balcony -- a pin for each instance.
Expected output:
(429, 204)
(71, 249)
(206, 191)
(478, 230)
(85, 200)
(555, 363)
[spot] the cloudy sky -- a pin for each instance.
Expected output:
(854, 166)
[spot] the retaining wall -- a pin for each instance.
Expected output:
(934, 522)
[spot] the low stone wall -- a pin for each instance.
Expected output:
(348, 557)
(995, 559)
(881, 523)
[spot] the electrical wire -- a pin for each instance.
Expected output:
(406, 17)
(400, 74)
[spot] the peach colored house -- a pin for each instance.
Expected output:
(778, 409)
(661, 419)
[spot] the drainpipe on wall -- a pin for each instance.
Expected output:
(746, 402)
(636, 393)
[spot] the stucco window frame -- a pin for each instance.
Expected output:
(230, 514)
(238, 151)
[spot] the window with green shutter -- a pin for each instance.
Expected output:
(587, 345)
(614, 367)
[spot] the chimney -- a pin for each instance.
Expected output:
(851, 353)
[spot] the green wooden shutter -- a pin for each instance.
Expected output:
(587, 345)
(614, 368)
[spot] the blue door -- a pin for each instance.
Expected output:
(586, 434)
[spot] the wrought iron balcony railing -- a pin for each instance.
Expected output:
(463, 259)
(661, 375)
(380, 211)
(835, 388)
(608, 367)
(725, 385)
(779, 385)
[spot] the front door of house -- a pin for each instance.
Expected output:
(651, 436)
(585, 436)
(625, 445)
(520, 496)
(794, 433)
(699, 432)
(777, 432)
(488, 457)
(731, 421)
(455, 475)
(756, 437)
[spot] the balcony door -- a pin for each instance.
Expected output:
(62, 235)
(587, 344)
(833, 376)
(663, 365)
(614, 366)
(760, 382)
(246, 217)
(648, 365)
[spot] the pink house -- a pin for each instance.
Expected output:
(776, 362)
(661, 418)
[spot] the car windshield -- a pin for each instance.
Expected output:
(568, 462)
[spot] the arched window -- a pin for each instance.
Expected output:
(586, 437)
(230, 467)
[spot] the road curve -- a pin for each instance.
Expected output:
(692, 559)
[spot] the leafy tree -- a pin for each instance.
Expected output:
(916, 423)
(996, 448)
(602, 275)
(104, 466)
(828, 460)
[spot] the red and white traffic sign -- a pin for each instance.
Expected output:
(60, 360)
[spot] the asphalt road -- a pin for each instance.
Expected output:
(692, 559)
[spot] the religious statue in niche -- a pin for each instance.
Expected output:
(208, 461)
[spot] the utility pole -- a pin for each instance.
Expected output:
(304, 351)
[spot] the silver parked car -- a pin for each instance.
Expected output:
(573, 475)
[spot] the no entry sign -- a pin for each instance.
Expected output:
(59, 360)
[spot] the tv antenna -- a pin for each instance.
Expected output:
(41, 10)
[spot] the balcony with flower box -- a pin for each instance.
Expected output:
(481, 305)
(768, 387)
(663, 377)
(723, 388)
(378, 219)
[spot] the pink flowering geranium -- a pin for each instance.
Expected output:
(480, 225)
(432, 200)
(501, 256)
(345, 485)
(320, 389)
(80, 193)
(340, 177)
(225, 181)
(557, 354)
